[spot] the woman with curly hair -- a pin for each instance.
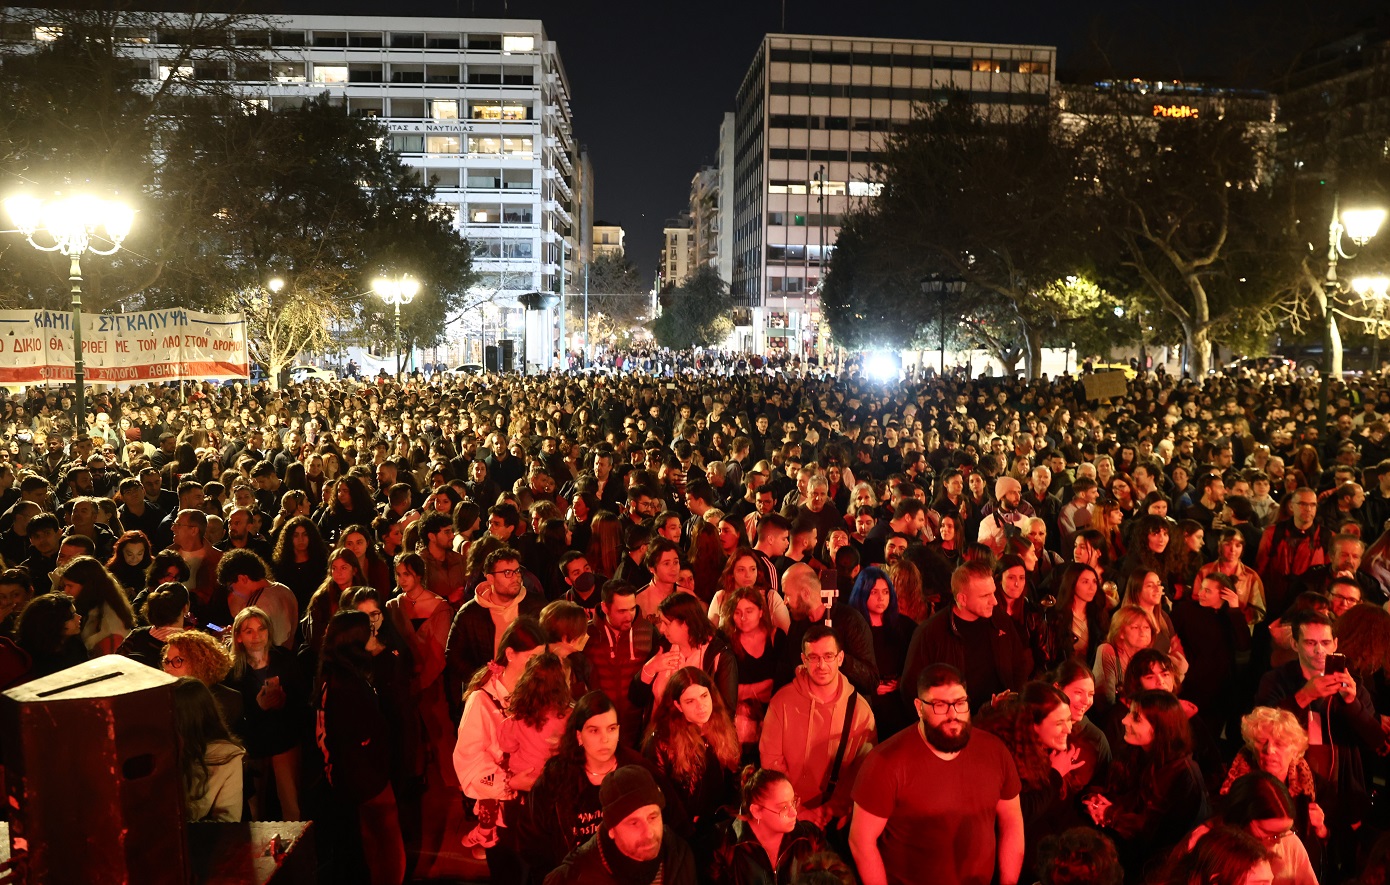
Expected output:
(209, 758)
(130, 559)
(351, 505)
(300, 560)
(692, 742)
(913, 602)
(1036, 726)
(195, 653)
(536, 713)
(1275, 743)
(107, 615)
(747, 625)
(1148, 550)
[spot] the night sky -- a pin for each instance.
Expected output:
(651, 79)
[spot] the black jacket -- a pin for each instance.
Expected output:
(938, 640)
(739, 859)
(472, 638)
(586, 865)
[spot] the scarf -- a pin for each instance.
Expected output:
(1299, 781)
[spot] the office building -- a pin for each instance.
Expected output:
(810, 115)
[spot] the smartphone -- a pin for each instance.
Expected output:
(1335, 664)
(829, 582)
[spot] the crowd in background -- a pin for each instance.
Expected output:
(737, 623)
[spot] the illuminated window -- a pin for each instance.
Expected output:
(182, 72)
(518, 43)
(47, 33)
(444, 109)
(1033, 67)
(985, 65)
(287, 72)
(865, 188)
(484, 144)
(330, 73)
(442, 144)
(832, 188)
(518, 147)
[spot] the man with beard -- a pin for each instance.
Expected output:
(632, 846)
(950, 815)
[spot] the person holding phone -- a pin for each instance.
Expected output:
(1325, 699)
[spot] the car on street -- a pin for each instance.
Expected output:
(302, 373)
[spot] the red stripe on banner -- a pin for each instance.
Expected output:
(197, 371)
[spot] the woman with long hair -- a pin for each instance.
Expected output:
(874, 596)
(536, 713)
(1258, 803)
(478, 761)
(359, 540)
(1112, 516)
(422, 620)
(49, 633)
(1144, 589)
(950, 538)
(565, 811)
(1157, 795)
(1149, 544)
(130, 559)
(300, 560)
(688, 639)
(107, 615)
(706, 557)
(353, 735)
(351, 505)
(765, 842)
(1035, 726)
(1078, 621)
(210, 760)
(583, 507)
(1275, 743)
(274, 706)
(293, 503)
(1074, 679)
(1029, 618)
(343, 573)
(747, 625)
(1187, 556)
(164, 611)
(692, 742)
(605, 548)
(741, 570)
(1224, 856)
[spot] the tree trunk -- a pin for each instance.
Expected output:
(1196, 352)
(1331, 346)
(1032, 356)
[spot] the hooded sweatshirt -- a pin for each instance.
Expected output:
(503, 613)
(801, 736)
(478, 754)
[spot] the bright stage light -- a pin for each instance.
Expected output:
(881, 367)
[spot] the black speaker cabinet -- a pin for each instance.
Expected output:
(91, 768)
(507, 348)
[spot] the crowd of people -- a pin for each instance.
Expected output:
(763, 624)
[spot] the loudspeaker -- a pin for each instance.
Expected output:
(91, 768)
(492, 358)
(506, 346)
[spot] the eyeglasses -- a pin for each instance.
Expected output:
(176, 661)
(816, 660)
(939, 708)
(1346, 598)
(787, 809)
(1272, 838)
(507, 572)
(374, 616)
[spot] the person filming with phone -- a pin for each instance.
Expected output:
(1325, 699)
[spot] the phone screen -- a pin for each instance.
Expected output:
(1336, 663)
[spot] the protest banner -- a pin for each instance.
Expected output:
(124, 348)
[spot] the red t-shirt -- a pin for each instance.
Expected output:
(940, 814)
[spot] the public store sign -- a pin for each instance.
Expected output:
(124, 348)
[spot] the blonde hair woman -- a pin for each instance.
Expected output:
(1275, 743)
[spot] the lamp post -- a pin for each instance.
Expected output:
(72, 224)
(1374, 290)
(1359, 225)
(395, 292)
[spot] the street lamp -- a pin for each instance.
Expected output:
(1374, 290)
(1358, 224)
(395, 292)
(72, 223)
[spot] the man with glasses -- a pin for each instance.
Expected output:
(1289, 548)
(498, 601)
(189, 530)
(937, 802)
(817, 730)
